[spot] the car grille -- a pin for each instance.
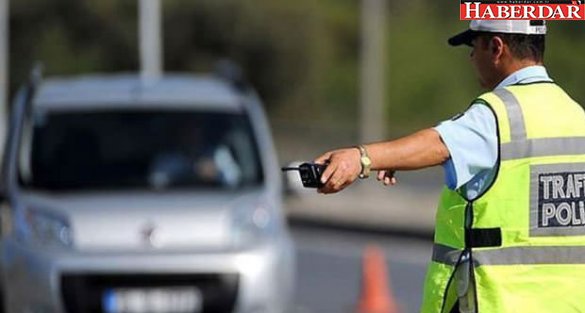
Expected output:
(83, 293)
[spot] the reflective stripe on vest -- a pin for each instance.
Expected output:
(515, 116)
(520, 147)
(513, 255)
(542, 147)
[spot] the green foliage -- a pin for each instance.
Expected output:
(71, 37)
(301, 55)
(428, 80)
(271, 40)
(564, 57)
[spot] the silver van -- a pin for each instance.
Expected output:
(129, 196)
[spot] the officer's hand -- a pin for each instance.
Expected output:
(343, 169)
(387, 177)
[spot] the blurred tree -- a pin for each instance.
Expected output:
(274, 41)
(301, 55)
(72, 36)
(429, 81)
(271, 40)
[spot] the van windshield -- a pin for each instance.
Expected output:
(140, 149)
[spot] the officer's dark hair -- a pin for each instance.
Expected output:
(521, 46)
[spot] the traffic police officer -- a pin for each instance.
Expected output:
(510, 227)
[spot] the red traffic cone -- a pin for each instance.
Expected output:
(376, 294)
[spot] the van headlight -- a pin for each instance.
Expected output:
(37, 227)
(253, 224)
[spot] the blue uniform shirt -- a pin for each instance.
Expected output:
(472, 141)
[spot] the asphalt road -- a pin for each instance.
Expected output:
(329, 268)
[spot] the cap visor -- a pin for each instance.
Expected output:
(464, 38)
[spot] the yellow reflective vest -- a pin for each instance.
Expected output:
(520, 244)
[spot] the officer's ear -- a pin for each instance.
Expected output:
(497, 48)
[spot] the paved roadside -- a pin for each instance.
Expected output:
(409, 207)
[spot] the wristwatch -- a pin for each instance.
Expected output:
(365, 162)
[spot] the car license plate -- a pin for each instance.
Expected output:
(151, 300)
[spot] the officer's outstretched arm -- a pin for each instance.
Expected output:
(416, 151)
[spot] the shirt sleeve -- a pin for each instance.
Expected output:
(472, 141)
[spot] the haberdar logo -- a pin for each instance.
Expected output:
(522, 10)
